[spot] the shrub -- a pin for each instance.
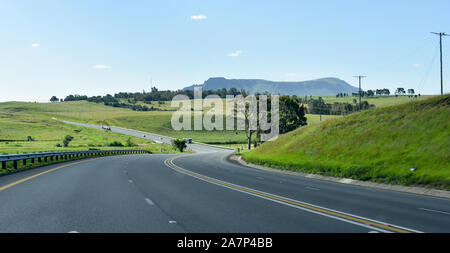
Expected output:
(67, 140)
(179, 144)
(116, 144)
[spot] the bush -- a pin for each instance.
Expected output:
(67, 140)
(116, 144)
(29, 138)
(179, 144)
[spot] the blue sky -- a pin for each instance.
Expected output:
(96, 47)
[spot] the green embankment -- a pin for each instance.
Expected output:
(380, 145)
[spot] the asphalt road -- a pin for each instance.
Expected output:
(201, 192)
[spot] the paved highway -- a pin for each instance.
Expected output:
(202, 192)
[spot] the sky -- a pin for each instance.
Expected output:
(98, 47)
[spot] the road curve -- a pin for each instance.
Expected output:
(201, 192)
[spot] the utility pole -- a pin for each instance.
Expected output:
(440, 44)
(360, 91)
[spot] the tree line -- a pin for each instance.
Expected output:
(318, 106)
(154, 95)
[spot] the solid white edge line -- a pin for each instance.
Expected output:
(434, 211)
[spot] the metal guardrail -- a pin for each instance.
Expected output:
(55, 156)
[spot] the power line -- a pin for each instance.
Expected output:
(424, 79)
(360, 77)
(440, 43)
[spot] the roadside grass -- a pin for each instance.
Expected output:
(379, 145)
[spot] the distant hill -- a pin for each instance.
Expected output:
(380, 145)
(320, 87)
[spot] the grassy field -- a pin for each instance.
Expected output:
(380, 145)
(151, 121)
(20, 120)
(378, 101)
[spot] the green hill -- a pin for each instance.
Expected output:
(380, 145)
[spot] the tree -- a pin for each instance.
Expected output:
(179, 144)
(400, 91)
(67, 140)
(54, 99)
(292, 114)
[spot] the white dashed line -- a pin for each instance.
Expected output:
(73, 232)
(149, 201)
(131, 181)
(172, 222)
(374, 232)
(312, 188)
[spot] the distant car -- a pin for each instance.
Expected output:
(188, 140)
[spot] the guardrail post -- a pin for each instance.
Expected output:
(4, 165)
(32, 160)
(39, 159)
(24, 162)
(15, 164)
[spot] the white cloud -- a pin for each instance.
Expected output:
(100, 66)
(35, 45)
(198, 17)
(235, 54)
(291, 74)
(416, 65)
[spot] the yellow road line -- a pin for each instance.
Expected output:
(291, 202)
(37, 175)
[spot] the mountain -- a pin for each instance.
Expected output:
(320, 87)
